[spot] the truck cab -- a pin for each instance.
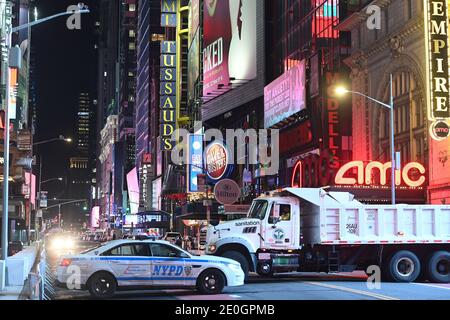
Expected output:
(269, 232)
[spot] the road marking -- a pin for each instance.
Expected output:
(433, 285)
(365, 293)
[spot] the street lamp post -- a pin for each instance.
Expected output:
(60, 138)
(10, 30)
(390, 106)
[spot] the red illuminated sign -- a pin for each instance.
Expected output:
(217, 160)
(316, 171)
(325, 18)
(364, 175)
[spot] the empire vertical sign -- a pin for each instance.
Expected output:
(437, 59)
(168, 77)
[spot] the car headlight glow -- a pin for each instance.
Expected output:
(58, 243)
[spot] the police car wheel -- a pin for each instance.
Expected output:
(102, 285)
(211, 281)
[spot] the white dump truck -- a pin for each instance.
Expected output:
(312, 230)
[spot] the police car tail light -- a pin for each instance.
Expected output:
(65, 262)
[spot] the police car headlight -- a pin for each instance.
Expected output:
(234, 267)
(212, 248)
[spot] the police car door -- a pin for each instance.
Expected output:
(168, 266)
(130, 263)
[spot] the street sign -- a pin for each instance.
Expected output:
(24, 140)
(227, 191)
(43, 199)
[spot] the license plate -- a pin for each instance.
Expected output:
(264, 256)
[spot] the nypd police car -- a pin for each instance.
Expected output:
(131, 264)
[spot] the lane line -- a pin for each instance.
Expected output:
(350, 290)
(432, 285)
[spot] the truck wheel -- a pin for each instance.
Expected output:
(102, 285)
(264, 270)
(239, 257)
(438, 267)
(404, 266)
(210, 281)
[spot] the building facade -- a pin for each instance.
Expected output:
(397, 47)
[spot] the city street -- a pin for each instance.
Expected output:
(239, 150)
(294, 286)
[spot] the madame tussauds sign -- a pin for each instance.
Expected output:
(437, 59)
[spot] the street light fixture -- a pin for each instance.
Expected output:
(52, 179)
(16, 60)
(60, 138)
(342, 91)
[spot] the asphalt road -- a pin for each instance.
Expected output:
(297, 286)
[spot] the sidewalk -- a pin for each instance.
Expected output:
(11, 293)
(20, 266)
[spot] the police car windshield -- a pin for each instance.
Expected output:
(258, 210)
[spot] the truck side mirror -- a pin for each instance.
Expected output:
(214, 223)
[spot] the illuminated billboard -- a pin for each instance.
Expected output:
(194, 18)
(133, 190)
(95, 217)
(437, 59)
(196, 161)
(325, 18)
(193, 65)
(229, 42)
(285, 96)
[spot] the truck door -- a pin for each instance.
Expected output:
(279, 231)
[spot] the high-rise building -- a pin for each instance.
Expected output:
(83, 121)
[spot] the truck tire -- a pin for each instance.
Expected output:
(438, 267)
(403, 266)
(265, 270)
(239, 257)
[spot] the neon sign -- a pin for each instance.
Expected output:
(317, 171)
(364, 175)
(437, 60)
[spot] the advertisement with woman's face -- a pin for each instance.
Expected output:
(229, 43)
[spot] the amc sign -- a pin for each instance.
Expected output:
(364, 174)
(315, 172)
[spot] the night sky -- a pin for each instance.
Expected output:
(66, 64)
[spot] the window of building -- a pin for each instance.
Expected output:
(409, 126)
(131, 7)
(131, 46)
(131, 33)
(408, 9)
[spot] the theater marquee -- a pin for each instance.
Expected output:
(437, 60)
